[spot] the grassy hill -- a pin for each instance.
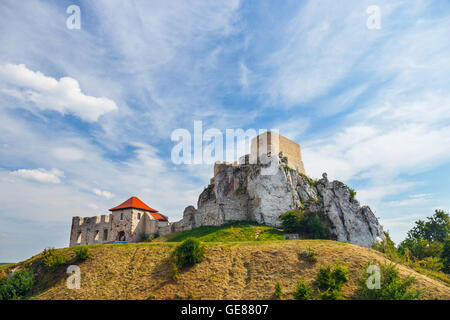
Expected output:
(246, 269)
(239, 231)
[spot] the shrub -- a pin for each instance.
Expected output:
(82, 253)
(388, 248)
(17, 286)
(421, 248)
(445, 256)
(331, 278)
(278, 289)
(152, 237)
(310, 255)
(330, 294)
(290, 221)
(53, 259)
(306, 224)
(303, 291)
(311, 226)
(430, 263)
(352, 193)
(188, 253)
(392, 286)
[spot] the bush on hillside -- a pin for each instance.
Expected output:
(445, 256)
(188, 253)
(330, 294)
(82, 253)
(430, 263)
(392, 286)
(310, 255)
(420, 248)
(278, 289)
(388, 248)
(17, 286)
(303, 291)
(332, 278)
(52, 258)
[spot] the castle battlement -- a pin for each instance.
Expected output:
(130, 221)
(273, 143)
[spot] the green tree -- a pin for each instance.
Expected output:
(437, 228)
(421, 248)
(426, 238)
(445, 256)
(305, 223)
(387, 247)
(290, 221)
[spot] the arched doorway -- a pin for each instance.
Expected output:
(121, 236)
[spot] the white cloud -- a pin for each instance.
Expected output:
(103, 193)
(47, 93)
(41, 175)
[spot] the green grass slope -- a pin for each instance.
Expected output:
(238, 231)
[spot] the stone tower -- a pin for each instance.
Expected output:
(274, 143)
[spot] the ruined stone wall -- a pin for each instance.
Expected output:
(134, 223)
(90, 230)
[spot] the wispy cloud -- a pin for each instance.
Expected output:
(103, 193)
(41, 175)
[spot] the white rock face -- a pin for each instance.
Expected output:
(258, 192)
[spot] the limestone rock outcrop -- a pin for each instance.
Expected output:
(261, 192)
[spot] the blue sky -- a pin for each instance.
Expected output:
(86, 115)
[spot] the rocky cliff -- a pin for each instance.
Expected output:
(261, 192)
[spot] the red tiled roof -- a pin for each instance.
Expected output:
(135, 203)
(158, 216)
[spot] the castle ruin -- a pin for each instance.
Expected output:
(130, 221)
(134, 221)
